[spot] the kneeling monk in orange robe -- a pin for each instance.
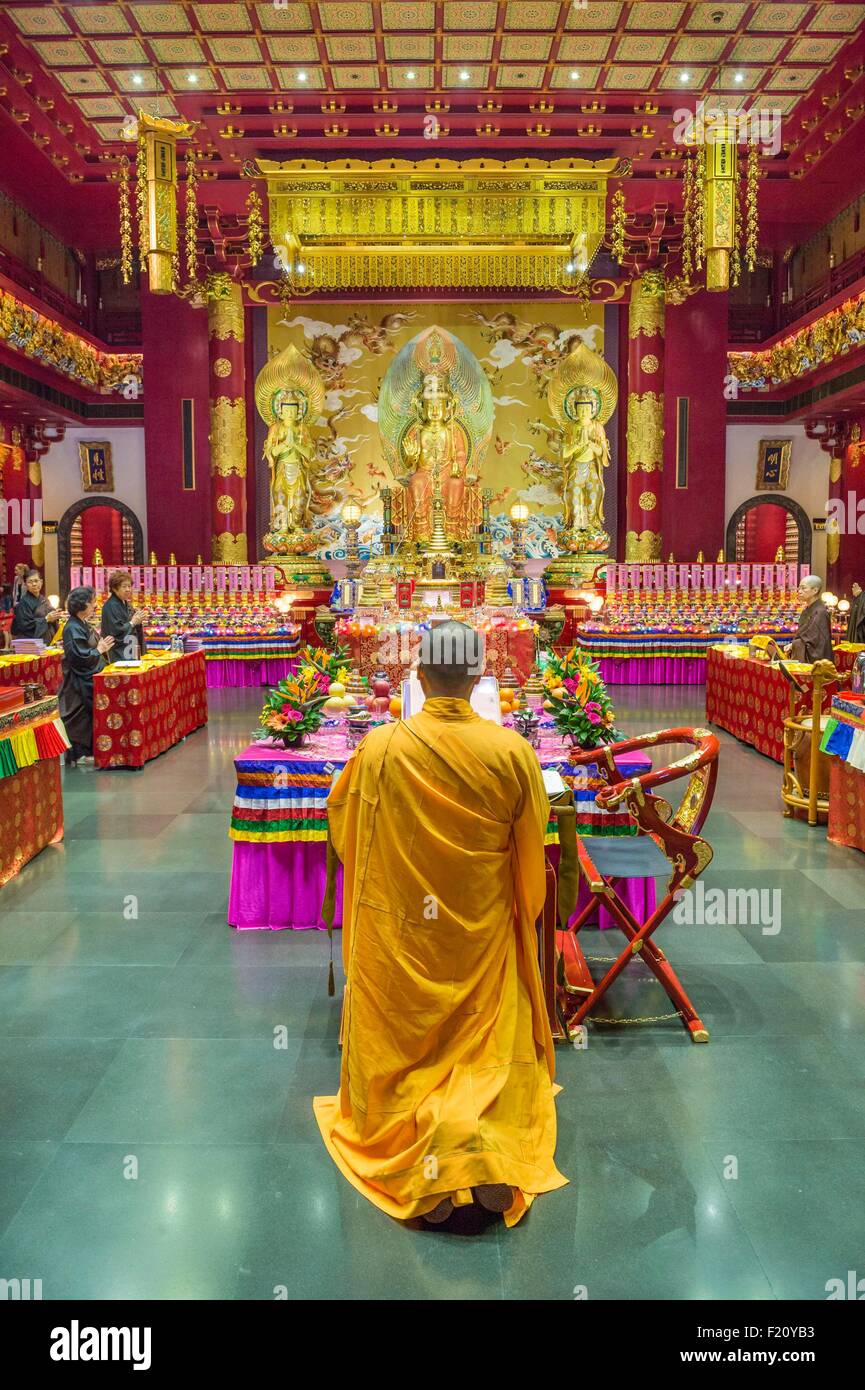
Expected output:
(446, 1085)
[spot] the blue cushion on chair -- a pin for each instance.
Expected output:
(626, 858)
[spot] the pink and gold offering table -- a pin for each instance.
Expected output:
(279, 829)
(234, 657)
(141, 711)
(32, 741)
(24, 670)
(391, 646)
(750, 698)
(651, 632)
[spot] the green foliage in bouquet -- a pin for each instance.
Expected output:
(294, 708)
(333, 664)
(577, 699)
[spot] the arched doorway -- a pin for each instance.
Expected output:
(763, 525)
(98, 523)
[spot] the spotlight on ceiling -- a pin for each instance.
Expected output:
(575, 76)
(301, 77)
(411, 75)
(464, 76)
(740, 77)
(137, 79)
(684, 77)
(192, 77)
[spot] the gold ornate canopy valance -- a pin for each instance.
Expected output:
(481, 223)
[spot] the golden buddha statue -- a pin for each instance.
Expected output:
(288, 391)
(582, 397)
(435, 418)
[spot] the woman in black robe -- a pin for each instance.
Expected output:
(33, 615)
(122, 620)
(83, 655)
(856, 616)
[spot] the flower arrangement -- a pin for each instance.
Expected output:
(577, 698)
(330, 665)
(294, 708)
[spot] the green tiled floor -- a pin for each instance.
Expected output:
(155, 1143)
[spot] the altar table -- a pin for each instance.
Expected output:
(653, 658)
(32, 741)
(750, 699)
(21, 670)
(279, 830)
(237, 660)
(140, 712)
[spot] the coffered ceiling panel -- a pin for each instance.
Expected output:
(520, 70)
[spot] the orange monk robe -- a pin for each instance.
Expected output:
(447, 1064)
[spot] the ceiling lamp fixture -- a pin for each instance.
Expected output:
(464, 76)
(302, 76)
(411, 75)
(740, 77)
(684, 77)
(575, 76)
(192, 77)
(137, 79)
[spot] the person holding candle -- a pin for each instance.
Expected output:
(34, 615)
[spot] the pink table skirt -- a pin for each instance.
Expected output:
(653, 670)
(266, 671)
(280, 887)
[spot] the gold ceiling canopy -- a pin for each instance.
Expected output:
(395, 223)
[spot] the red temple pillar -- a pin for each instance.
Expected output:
(227, 380)
(645, 423)
(833, 435)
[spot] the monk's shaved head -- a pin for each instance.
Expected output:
(452, 659)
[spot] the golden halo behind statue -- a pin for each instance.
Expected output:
(286, 375)
(582, 376)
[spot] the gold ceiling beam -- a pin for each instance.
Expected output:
(437, 222)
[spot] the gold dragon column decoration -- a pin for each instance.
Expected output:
(645, 427)
(227, 383)
(582, 395)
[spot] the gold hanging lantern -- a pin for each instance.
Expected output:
(156, 168)
(720, 223)
(720, 211)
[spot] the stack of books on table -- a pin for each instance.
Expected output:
(28, 646)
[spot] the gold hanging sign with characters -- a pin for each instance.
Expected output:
(157, 196)
(395, 223)
(720, 202)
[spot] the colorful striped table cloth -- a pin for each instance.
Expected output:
(279, 825)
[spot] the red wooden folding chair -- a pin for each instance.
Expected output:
(665, 844)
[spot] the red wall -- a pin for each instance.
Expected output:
(175, 365)
(695, 365)
(13, 471)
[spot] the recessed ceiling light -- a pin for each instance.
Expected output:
(740, 77)
(137, 79)
(464, 76)
(411, 75)
(301, 77)
(575, 76)
(684, 77)
(192, 77)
